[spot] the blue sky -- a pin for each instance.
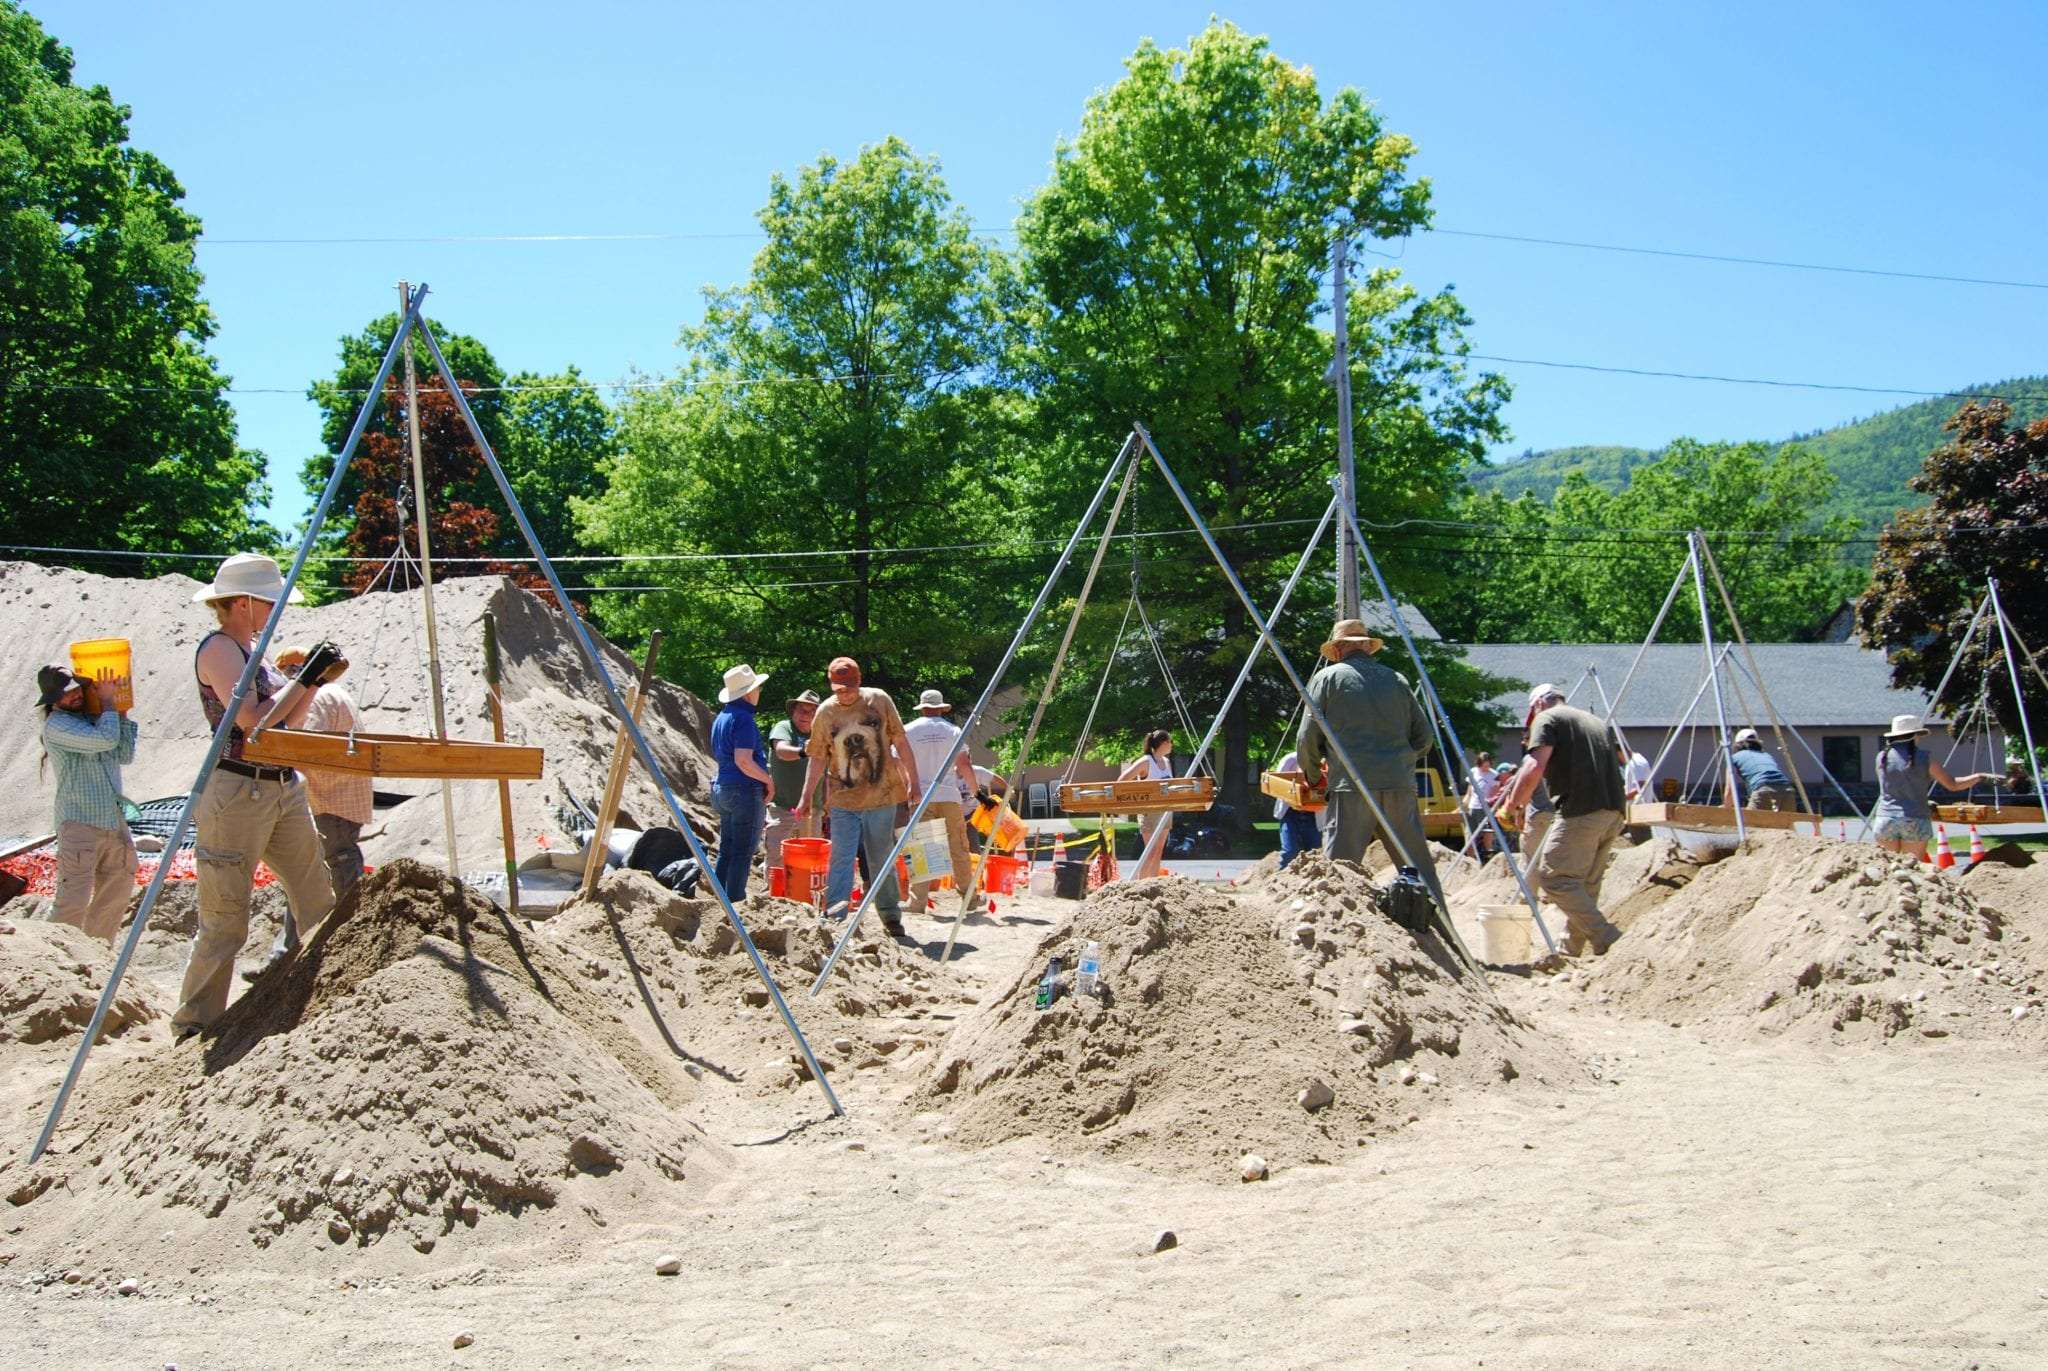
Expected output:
(1874, 135)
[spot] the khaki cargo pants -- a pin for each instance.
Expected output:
(1568, 869)
(1349, 828)
(240, 822)
(95, 877)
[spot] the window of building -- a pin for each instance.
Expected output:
(1843, 757)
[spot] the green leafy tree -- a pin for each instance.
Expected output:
(1177, 261)
(1594, 565)
(114, 423)
(838, 399)
(341, 396)
(560, 439)
(1986, 516)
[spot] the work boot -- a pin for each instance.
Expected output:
(253, 974)
(892, 924)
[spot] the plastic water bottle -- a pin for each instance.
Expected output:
(1091, 964)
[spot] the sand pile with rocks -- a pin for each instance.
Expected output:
(552, 700)
(1806, 937)
(51, 978)
(1293, 1021)
(419, 1074)
(2012, 881)
(675, 969)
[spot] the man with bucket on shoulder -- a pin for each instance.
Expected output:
(247, 813)
(931, 738)
(88, 740)
(857, 740)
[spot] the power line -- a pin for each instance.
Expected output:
(1531, 240)
(1742, 261)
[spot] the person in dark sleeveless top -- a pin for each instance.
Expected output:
(247, 813)
(1903, 816)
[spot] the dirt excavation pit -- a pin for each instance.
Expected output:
(676, 970)
(1292, 1021)
(419, 1076)
(1820, 940)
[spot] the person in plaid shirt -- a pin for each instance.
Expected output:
(88, 743)
(340, 799)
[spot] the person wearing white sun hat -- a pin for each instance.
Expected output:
(248, 813)
(1903, 820)
(740, 791)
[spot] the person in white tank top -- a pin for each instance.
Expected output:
(1152, 766)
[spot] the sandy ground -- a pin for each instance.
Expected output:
(1685, 1202)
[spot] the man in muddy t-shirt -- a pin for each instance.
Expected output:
(1579, 757)
(858, 744)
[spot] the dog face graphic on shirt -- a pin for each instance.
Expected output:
(857, 753)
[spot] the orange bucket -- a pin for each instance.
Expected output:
(95, 655)
(805, 862)
(1003, 874)
(778, 880)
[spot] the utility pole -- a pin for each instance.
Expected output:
(1347, 476)
(419, 496)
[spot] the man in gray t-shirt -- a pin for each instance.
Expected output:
(1580, 758)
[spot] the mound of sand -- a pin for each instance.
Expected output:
(1805, 936)
(552, 700)
(675, 967)
(2013, 882)
(420, 1070)
(1224, 1024)
(51, 978)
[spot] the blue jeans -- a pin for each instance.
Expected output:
(1298, 834)
(875, 830)
(742, 815)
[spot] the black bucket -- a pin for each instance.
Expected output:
(1070, 880)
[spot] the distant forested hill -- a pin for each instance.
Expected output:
(1871, 457)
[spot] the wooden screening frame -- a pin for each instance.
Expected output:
(1990, 814)
(1176, 795)
(1295, 789)
(394, 755)
(1715, 816)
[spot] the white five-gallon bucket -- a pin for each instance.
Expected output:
(1504, 935)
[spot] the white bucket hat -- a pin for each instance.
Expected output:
(247, 573)
(741, 681)
(1907, 726)
(932, 699)
(1747, 735)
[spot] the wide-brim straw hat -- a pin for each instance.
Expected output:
(288, 657)
(247, 573)
(932, 699)
(1907, 726)
(741, 681)
(1350, 633)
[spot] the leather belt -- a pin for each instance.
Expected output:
(282, 774)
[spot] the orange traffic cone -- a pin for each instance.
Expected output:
(1976, 845)
(1842, 829)
(1059, 847)
(1944, 856)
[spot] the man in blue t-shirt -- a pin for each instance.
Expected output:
(1759, 782)
(740, 792)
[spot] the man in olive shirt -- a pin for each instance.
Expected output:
(1374, 715)
(786, 743)
(1579, 757)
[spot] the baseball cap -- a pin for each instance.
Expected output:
(844, 671)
